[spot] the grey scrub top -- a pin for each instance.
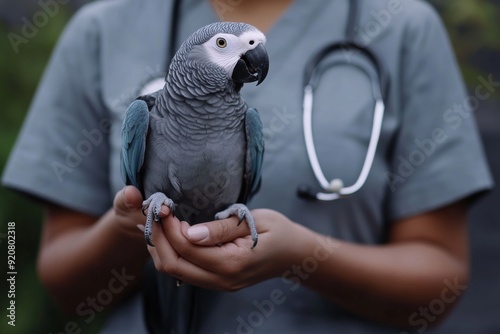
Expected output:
(429, 154)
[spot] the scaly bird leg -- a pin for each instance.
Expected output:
(153, 204)
(242, 212)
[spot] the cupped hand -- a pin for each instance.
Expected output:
(219, 255)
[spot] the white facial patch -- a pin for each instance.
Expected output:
(226, 49)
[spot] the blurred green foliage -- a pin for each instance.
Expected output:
(473, 27)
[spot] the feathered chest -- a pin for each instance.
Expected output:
(204, 171)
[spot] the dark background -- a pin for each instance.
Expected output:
(474, 28)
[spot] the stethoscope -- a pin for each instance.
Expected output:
(335, 188)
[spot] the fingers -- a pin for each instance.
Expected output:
(228, 267)
(218, 254)
(167, 259)
(127, 206)
(217, 232)
(164, 211)
(127, 200)
(217, 258)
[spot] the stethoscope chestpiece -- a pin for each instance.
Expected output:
(304, 191)
(333, 191)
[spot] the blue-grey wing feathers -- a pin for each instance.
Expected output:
(254, 155)
(134, 132)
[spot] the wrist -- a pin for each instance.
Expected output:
(300, 248)
(308, 245)
(312, 252)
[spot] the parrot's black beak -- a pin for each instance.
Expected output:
(252, 66)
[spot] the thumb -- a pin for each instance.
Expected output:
(127, 200)
(217, 232)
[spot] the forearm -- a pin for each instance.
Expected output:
(78, 264)
(384, 283)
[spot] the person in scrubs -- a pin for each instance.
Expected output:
(393, 256)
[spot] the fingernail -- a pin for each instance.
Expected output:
(127, 204)
(140, 227)
(197, 233)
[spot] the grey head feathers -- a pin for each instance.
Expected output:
(203, 34)
(206, 60)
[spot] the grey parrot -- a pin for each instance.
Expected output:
(194, 145)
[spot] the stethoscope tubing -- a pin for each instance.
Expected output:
(335, 189)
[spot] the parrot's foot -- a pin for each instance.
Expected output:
(242, 212)
(153, 204)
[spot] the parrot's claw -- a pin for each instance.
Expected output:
(242, 212)
(153, 205)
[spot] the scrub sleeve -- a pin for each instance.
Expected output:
(438, 157)
(62, 152)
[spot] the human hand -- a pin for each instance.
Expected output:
(218, 254)
(127, 207)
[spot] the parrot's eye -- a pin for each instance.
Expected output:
(221, 42)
